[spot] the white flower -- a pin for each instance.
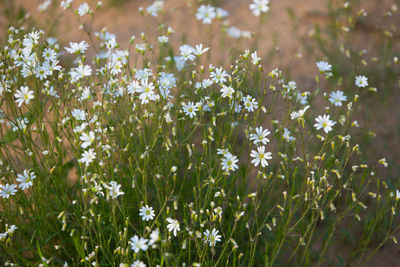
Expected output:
(29, 41)
(154, 8)
(259, 6)
(79, 115)
(190, 109)
(212, 237)
(199, 50)
(234, 32)
(229, 162)
(260, 156)
(65, 4)
(154, 237)
(23, 95)
(12, 229)
(206, 13)
(173, 226)
(179, 62)
(115, 189)
(221, 13)
(222, 151)
(324, 122)
(260, 136)
(83, 9)
(218, 75)
(49, 54)
(8, 190)
(336, 98)
(291, 86)
(147, 213)
(77, 48)
(162, 39)
(301, 97)
(187, 52)
(299, 114)
(286, 135)
(361, 81)
(87, 139)
(80, 72)
(250, 103)
(138, 244)
(133, 87)
(143, 74)
(43, 6)
(88, 157)
(25, 179)
(146, 91)
(227, 91)
(167, 80)
(138, 263)
(255, 59)
(324, 66)
(141, 47)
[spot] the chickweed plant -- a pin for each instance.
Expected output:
(152, 156)
(360, 36)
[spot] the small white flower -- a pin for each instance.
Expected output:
(206, 13)
(260, 156)
(162, 39)
(260, 136)
(25, 179)
(138, 244)
(143, 74)
(66, 4)
(77, 48)
(23, 95)
(324, 122)
(138, 263)
(43, 6)
(147, 213)
(155, 8)
(12, 229)
(219, 75)
(8, 190)
(299, 114)
(336, 98)
(199, 50)
(88, 157)
(221, 13)
(114, 189)
(324, 66)
(286, 135)
(87, 139)
(190, 109)
(229, 162)
(154, 237)
(212, 237)
(227, 91)
(80, 72)
(249, 103)
(173, 226)
(187, 52)
(259, 6)
(83, 9)
(255, 59)
(79, 115)
(361, 81)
